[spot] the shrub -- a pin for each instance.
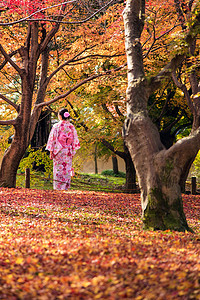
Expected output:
(111, 173)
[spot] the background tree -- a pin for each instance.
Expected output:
(159, 169)
(31, 62)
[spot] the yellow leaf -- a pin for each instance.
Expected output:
(19, 261)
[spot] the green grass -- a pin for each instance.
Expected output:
(81, 181)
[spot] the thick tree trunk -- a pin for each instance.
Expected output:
(159, 170)
(13, 156)
(9, 168)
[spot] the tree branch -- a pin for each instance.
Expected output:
(64, 64)
(29, 18)
(111, 148)
(185, 91)
(5, 62)
(74, 60)
(8, 122)
(77, 86)
(16, 107)
(187, 147)
(77, 116)
(156, 81)
(13, 64)
(171, 125)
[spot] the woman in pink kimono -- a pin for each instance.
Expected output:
(62, 144)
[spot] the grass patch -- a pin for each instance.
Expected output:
(81, 181)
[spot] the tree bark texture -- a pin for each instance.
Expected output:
(159, 170)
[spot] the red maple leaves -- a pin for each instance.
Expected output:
(87, 245)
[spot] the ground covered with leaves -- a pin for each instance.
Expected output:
(90, 245)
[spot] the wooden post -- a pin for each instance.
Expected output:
(27, 178)
(194, 186)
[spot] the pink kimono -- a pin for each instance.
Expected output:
(63, 142)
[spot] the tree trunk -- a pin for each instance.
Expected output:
(130, 185)
(13, 156)
(42, 130)
(27, 118)
(115, 164)
(158, 169)
(95, 159)
(159, 172)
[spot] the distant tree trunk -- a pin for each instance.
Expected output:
(95, 159)
(130, 186)
(115, 164)
(42, 130)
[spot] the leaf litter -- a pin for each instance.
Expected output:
(91, 245)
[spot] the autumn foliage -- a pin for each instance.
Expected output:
(89, 245)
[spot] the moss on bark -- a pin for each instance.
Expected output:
(159, 215)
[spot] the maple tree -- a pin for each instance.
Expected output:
(159, 169)
(35, 56)
(101, 116)
(81, 245)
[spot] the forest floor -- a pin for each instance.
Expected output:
(91, 245)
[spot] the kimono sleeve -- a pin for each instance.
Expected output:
(52, 143)
(75, 144)
(51, 140)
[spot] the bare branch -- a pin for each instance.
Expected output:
(13, 64)
(16, 107)
(7, 122)
(111, 148)
(120, 114)
(171, 125)
(156, 39)
(185, 91)
(5, 61)
(29, 19)
(105, 108)
(82, 124)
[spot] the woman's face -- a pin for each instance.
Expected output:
(59, 117)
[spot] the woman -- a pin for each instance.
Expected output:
(62, 144)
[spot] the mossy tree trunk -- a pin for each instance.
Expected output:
(159, 170)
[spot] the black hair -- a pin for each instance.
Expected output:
(61, 113)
